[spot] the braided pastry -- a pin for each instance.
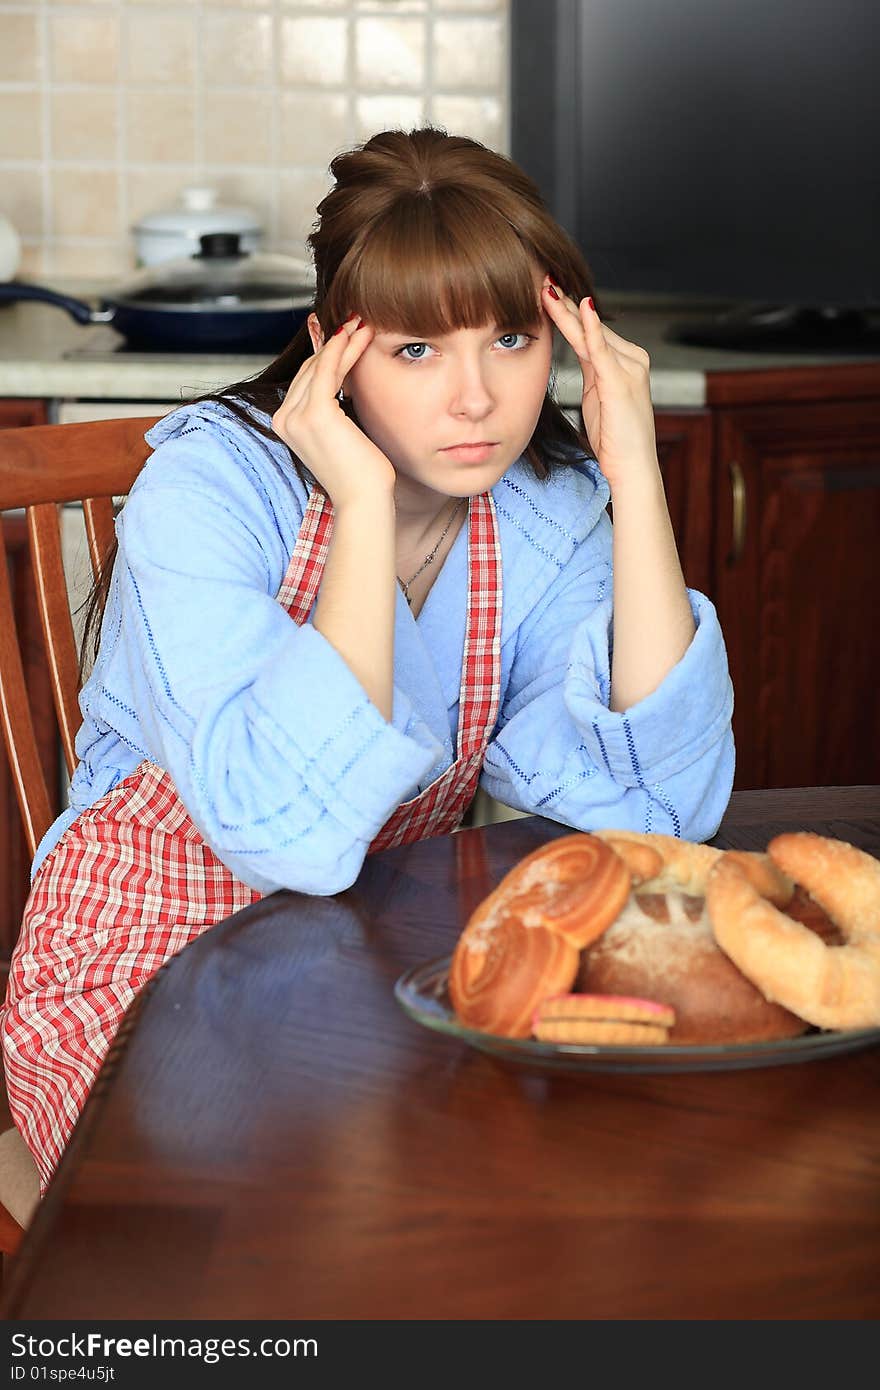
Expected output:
(523, 942)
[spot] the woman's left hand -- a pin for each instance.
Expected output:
(616, 405)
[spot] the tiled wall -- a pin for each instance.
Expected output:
(109, 107)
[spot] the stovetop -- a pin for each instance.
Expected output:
(102, 344)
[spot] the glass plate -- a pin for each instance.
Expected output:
(423, 994)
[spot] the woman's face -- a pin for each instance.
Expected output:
(420, 401)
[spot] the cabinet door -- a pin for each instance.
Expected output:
(797, 577)
(684, 448)
(14, 857)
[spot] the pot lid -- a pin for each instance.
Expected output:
(221, 277)
(197, 212)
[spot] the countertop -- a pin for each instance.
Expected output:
(44, 353)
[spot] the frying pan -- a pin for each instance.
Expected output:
(222, 299)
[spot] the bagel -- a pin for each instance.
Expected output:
(830, 986)
(764, 875)
(523, 941)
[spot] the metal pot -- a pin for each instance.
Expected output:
(176, 231)
(222, 299)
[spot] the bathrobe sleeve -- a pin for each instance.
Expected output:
(285, 766)
(664, 765)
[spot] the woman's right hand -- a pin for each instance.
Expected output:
(311, 421)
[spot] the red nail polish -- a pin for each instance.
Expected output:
(591, 304)
(551, 289)
(338, 330)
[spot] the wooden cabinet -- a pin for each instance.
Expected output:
(684, 448)
(774, 493)
(14, 857)
(773, 488)
(796, 580)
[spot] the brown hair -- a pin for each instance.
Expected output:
(423, 232)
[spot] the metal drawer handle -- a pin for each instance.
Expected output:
(738, 497)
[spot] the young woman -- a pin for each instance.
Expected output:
(351, 590)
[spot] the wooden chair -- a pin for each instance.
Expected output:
(41, 468)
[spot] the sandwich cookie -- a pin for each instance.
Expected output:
(608, 1019)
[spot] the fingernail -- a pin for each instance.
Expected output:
(338, 330)
(551, 289)
(359, 324)
(591, 304)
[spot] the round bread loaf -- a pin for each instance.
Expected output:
(661, 947)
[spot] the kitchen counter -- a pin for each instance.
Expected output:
(44, 353)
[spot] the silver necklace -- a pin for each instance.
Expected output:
(429, 559)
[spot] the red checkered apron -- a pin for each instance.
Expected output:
(131, 881)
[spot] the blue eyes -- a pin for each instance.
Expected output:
(420, 351)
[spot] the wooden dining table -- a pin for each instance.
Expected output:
(273, 1137)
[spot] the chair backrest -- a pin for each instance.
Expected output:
(43, 467)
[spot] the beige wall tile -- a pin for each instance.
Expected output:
(244, 186)
(237, 48)
(85, 202)
(84, 47)
(373, 114)
(21, 125)
(103, 259)
(255, 189)
(313, 126)
(160, 48)
(19, 48)
(33, 262)
(84, 124)
(21, 199)
(469, 53)
(154, 190)
(392, 6)
(482, 118)
(313, 51)
(238, 127)
(160, 127)
(301, 192)
(227, 93)
(441, 5)
(390, 52)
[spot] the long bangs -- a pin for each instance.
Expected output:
(435, 262)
